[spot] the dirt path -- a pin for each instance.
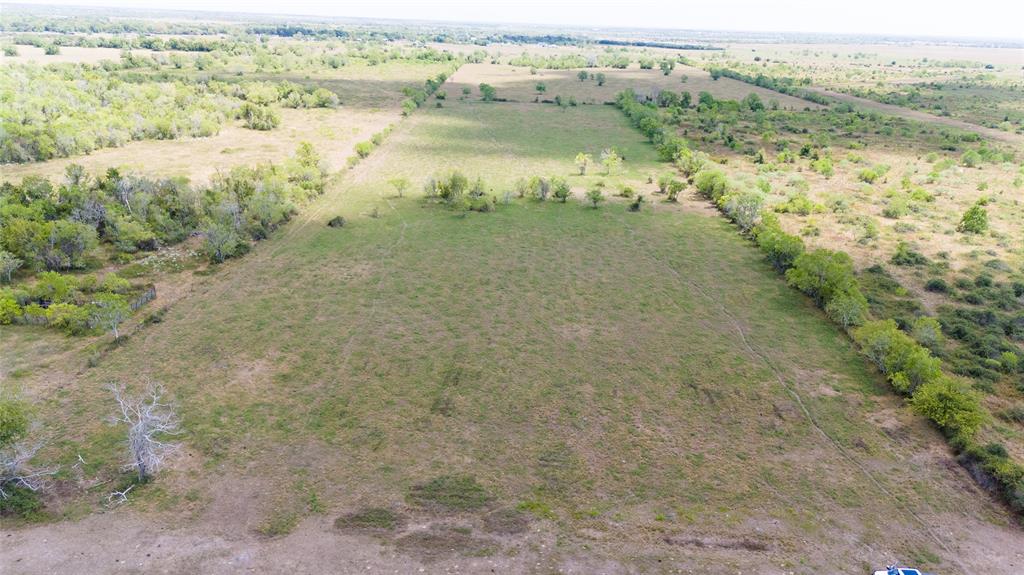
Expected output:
(902, 112)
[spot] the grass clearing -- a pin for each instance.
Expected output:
(600, 360)
(517, 84)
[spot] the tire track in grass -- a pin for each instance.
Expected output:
(765, 359)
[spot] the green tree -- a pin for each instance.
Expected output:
(822, 274)
(258, 117)
(847, 309)
(14, 419)
(583, 161)
(221, 242)
(595, 195)
(674, 188)
(71, 240)
(611, 160)
(664, 180)
(824, 167)
(541, 87)
(975, 220)
(109, 311)
(743, 208)
(753, 102)
(363, 149)
(583, 75)
(712, 184)
(400, 185)
(487, 92)
(928, 332)
(667, 66)
(9, 263)
(600, 77)
(951, 405)
(560, 189)
(782, 249)
(970, 159)
(690, 162)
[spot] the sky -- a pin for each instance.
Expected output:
(976, 19)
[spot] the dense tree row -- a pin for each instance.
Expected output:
(156, 43)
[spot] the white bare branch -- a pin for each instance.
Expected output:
(149, 419)
(15, 470)
(118, 497)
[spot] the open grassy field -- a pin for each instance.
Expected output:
(519, 85)
(546, 388)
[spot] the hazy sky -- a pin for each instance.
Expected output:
(977, 18)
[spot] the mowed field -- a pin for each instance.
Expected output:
(614, 392)
(517, 84)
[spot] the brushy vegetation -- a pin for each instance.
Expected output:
(828, 277)
(75, 109)
(48, 228)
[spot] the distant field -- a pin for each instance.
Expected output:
(631, 387)
(519, 85)
(70, 54)
(333, 132)
(370, 101)
(980, 85)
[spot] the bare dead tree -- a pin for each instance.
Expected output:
(149, 419)
(15, 470)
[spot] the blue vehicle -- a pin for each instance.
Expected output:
(894, 570)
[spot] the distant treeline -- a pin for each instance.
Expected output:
(788, 86)
(155, 43)
(646, 44)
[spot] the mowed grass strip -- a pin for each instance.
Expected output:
(590, 361)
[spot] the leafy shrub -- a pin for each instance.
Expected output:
(975, 220)
(258, 117)
(822, 274)
(712, 184)
(363, 149)
(20, 502)
(905, 256)
(637, 203)
(951, 405)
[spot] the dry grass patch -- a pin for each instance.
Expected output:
(519, 85)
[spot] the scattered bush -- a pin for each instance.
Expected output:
(975, 220)
(258, 117)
